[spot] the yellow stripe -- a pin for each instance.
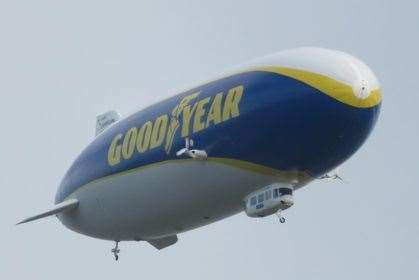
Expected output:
(302, 177)
(331, 87)
(264, 170)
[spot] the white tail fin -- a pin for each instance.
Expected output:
(164, 242)
(61, 207)
(103, 121)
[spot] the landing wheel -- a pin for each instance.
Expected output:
(116, 251)
(281, 219)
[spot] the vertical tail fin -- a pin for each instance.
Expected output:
(104, 120)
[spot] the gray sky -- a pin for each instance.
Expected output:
(64, 62)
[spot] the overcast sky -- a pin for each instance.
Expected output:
(64, 62)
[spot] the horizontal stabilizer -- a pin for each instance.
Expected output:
(60, 207)
(162, 243)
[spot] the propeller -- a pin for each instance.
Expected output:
(197, 154)
(182, 152)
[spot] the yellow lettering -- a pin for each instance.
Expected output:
(214, 113)
(128, 145)
(231, 104)
(187, 114)
(143, 138)
(198, 125)
(114, 152)
(159, 131)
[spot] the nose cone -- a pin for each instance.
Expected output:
(337, 105)
(335, 73)
(344, 121)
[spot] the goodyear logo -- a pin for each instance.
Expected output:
(190, 116)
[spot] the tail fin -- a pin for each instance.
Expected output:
(164, 242)
(104, 120)
(60, 207)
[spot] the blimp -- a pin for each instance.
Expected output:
(245, 141)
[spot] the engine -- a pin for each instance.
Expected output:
(269, 200)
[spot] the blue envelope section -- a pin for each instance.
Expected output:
(280, 122)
